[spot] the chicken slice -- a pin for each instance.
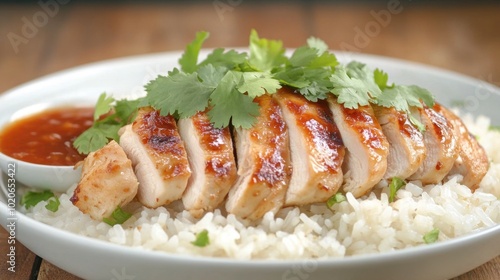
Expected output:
(316, 147)
(365, 162)
(210, 154)
(441, 147)
(157, 152)
(108, 181)
(406, 142)
(264, 166)
(472, 162)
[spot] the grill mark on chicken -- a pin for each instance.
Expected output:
(157, 152)
(264, 167)
(441, 147)
(264, 174)
(472, 162)
(365, 161)
(210, 154)
(107, 181)
(316, 146)
(406, 143)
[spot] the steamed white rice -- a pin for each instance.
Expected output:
(356, 226)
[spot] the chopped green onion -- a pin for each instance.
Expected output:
(432, 236)
(394, 186)
(53, 204)
(336, 198)
(117, 217)
(202, 239)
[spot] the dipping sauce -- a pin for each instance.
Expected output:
(47, 137)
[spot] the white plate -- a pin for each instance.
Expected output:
(94, 259)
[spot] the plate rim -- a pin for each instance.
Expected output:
(331, 261)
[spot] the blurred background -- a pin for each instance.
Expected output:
(40, 37)
(45, 36)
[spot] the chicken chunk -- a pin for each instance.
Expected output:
(406, 142)
(159, 157)
(316, 148)
(441, 147)
(210, 154)
(365, 162)
(264, 166)
(472, 162)
(108, 181)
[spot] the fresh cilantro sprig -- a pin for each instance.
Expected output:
(32, 198)
(402, 97)
(226, 83)
(309, 70)
(109, 116)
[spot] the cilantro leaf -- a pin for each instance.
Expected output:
(53, 204)
(31, 198)
(324, 60)
(229, 59)
(227, 104)
(309, 70)
(351, 91)
(117, 217)
(303, 56)
(317, 44)
(314, 91)
(258, 83)
(103, 105)
(403, 97)
(126, 110)
(432, 236)
(105, 128)
(189, 59)
(265, 54)
(96, 137)
(210, 76)
(394, 186)
(183, 94)
(381, 78)
(202, 239)
(334, 199)
(294, 77)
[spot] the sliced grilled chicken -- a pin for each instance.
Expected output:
(406, 142)
(264, 166)
(316, 147)
(210, 154)
(441, 147)
(365, 162)
(157, 152)
(107, 181)
(472, 162)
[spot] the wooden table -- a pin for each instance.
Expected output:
(38, 40)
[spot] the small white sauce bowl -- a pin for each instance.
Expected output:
(39, 176)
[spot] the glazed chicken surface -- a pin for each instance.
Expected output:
(298, 152)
